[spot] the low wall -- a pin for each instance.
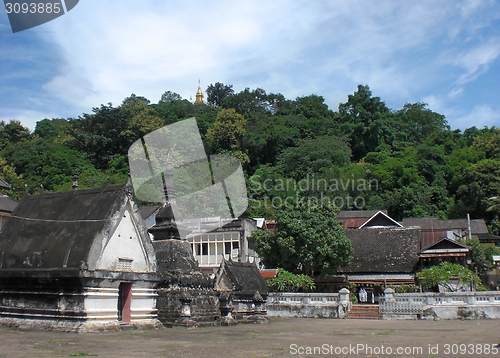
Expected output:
(309, 305)
(448, 305)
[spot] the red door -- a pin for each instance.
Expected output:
(124, 301)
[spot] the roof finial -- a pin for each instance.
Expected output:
(199, 95)
(75, 179)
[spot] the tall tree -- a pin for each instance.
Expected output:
(169, 96)
(366, 120)
(309, 240)
(226, 134)
(13, 132)
(217, 92)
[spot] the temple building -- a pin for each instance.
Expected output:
(78, 260)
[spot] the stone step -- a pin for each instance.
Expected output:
(364, 312)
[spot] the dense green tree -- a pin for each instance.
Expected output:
(226, 134)
(366, 117)
(218, 92)
(169, 96)
(175, 110)
(42, 162)
(8, 173)
(51, 128)
(489, 143)
(313, 155)
(442, 274)
(309, 240)
(418, 122)
(481, 256)
(13, 132)
(480, 182)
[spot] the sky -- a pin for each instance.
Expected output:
(443, 53)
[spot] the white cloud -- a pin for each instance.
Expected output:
(479, 116)
(477, 60)
(404, 51)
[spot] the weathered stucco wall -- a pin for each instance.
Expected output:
(309, 305)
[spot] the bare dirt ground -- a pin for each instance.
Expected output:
(280, 337)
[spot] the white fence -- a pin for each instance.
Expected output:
(324, 305)
(449, 305)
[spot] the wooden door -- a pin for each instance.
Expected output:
(124, 301)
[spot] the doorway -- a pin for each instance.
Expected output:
(124, 301)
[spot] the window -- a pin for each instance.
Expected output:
(124, 264)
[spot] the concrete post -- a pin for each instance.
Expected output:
(389, 294)
(344, 295)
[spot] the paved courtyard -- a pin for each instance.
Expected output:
(280, 337)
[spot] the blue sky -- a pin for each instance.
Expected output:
(444, 53)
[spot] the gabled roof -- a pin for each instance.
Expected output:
(244, 277)
(478, 226)
(353, 219)
(148, 210)
(380, 219)
(57, 230)
(7, 204)
(445, 243)
(4, 184)
(383, 250)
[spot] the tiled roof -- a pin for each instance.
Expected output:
(57, 230)
(383, 250)
(4, 184)
(7, 205)
(244, 276)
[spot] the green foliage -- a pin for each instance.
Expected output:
(51, 128)
(481, 256)
(442, 274)
(419, 165)
(288, 282)
(308, 240)
(225, 136)
(313, 155)
(403, 288)
(367, 117)
(12, 133)
(218, 92)
(169, 96)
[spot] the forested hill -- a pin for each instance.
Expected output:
(294, 152)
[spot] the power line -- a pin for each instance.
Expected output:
(59, 221)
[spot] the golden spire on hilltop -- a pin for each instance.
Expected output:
(199, 95)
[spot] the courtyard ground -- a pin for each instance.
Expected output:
(280, 337)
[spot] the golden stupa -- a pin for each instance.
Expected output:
(199, 95)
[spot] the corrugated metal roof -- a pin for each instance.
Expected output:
(358, 213)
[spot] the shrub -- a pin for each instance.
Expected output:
(288, 282)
